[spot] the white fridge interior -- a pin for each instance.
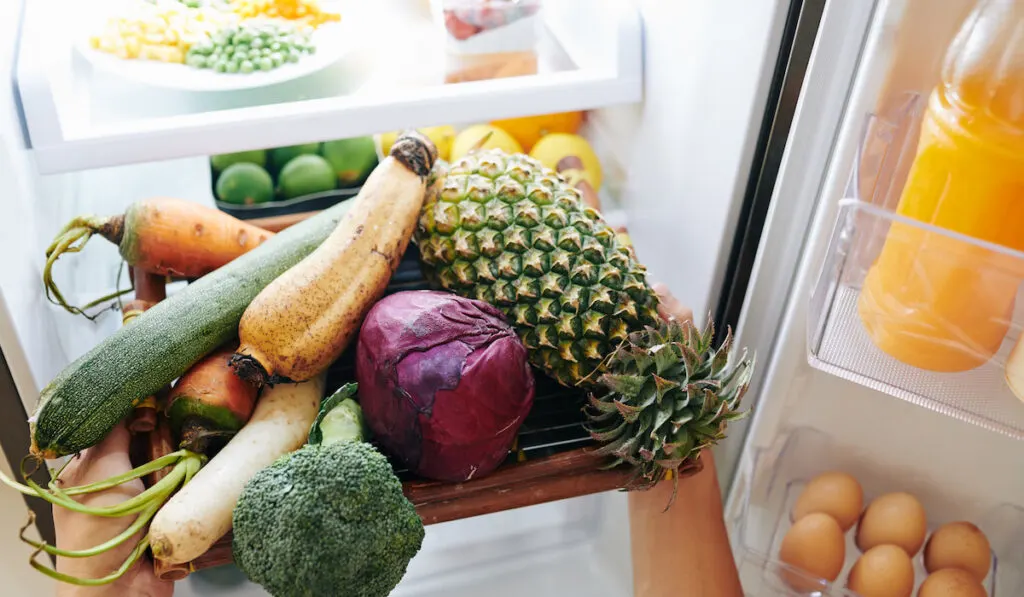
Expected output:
(830, 400)
(693, 78)
(98, 144)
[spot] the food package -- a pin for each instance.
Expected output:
(488, 39)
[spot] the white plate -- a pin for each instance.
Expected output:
(332, 41)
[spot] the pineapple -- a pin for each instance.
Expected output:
(669, 394)
(506, 230)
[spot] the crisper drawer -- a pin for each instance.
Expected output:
(782, 473)
(915, 310)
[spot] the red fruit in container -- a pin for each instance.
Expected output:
(444, 383)
(458, 28)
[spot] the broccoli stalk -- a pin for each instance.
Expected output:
(329, 519)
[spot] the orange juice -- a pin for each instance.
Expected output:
(937, 302)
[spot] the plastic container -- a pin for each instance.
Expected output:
(783, 470)
(305, 203)
(922, 301)
(488, 39)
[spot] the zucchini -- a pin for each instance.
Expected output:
(88, 398)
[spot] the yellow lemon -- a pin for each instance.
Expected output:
(553, 148)
(468, 140)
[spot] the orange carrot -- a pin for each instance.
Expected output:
(210, 401)
(161, 235)
(149, 290)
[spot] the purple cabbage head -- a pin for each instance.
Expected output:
(444, 383)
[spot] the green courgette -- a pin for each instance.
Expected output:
(88, 398)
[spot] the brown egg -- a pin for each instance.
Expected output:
(883, 571)
(951, 582)
(893, 518)
(834, 493)
(816, 545)
(959, 545)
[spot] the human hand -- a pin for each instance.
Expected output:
(79, 531)
(670, 307)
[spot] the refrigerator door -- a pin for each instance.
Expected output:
(809, 421)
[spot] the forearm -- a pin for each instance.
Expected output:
(683, 552)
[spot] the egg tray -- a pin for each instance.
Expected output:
(552, 458)
(807, 452)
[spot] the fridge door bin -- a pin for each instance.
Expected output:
(898, 322)
(783, 470)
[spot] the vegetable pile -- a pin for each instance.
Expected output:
(231, 369)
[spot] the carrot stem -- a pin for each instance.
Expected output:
(144, 517)
(130, 561)
(72, 239)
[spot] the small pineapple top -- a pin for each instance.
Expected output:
(669, 394)
(506, 230)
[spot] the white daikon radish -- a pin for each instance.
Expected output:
(200, 514)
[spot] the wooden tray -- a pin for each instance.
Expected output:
(559, 476)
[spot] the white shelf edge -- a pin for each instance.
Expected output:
(607, 74)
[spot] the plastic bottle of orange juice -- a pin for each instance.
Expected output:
(930, 300)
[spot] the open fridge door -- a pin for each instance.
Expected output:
(830, 400)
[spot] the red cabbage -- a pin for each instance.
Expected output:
(444, 383)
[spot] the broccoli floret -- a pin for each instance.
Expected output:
(327, 520)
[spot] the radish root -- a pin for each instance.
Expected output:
(145, 505)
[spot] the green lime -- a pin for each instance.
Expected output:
(282, 155)
(245, 184)
(222, 161)
(352, 159)
(305, 175)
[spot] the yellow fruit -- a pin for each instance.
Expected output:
(468, 139)
(530, 129)
(442, 136)
(553, 148)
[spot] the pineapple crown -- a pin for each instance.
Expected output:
(667, 394)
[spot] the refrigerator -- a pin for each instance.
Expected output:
(752, 149)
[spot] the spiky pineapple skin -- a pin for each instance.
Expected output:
(667, 394)
(506, 230)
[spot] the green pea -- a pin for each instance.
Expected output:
(266, 64)
(220, 66)
(293, 55)
(277, 59)
(254, 54)
(311, 49)
(246, 66)
(242, 48)
(257, 42)
(232, 66)
(198, 61)
(244, 36)
(275, 46)
(265, 52)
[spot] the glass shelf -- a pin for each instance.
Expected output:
(78, 118)
(919, 312)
